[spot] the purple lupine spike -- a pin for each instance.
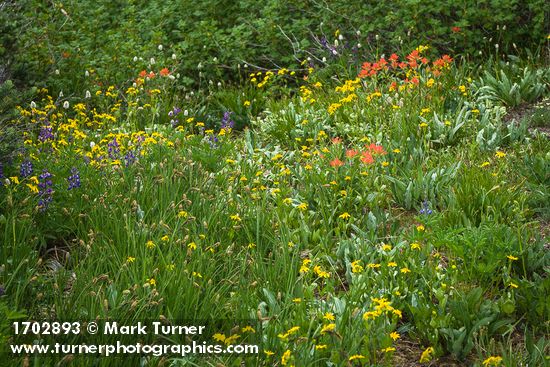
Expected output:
(129, 158)
(74, 179)
(45, 132)
(26, 169)
(45, 193)
(113, 149)
(425, 208)
(226, 120)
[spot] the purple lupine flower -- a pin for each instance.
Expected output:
(74, 179)
(129, 158)
(213, 140)
(226, 120)
(45, 132)
(45, 192)
(26, 169)
(174, 114)
(114, 149)
(425, 208)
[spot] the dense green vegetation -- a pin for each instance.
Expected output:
(381, 205)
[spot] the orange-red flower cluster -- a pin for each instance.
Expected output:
(151, 74)
(412, 61)
(367, 156)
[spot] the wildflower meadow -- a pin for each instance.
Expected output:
(330, 190)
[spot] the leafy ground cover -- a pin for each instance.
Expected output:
(393, 214)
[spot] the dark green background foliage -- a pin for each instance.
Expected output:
(38, 37)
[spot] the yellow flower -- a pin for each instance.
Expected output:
(484, 164)
(356, 266)
(388, 350)
(302, 206)
(427, 355)
(320, 347)
(248, 329)
(386, 247)
(165, 238)
(182, 214)
(512, 258)
(392, 264)
(356, 356)
(297, 300)
(219, 337)
(328, 328)
(246, 103)
(268, 353)
(405, 270)
(285, 357)
(130, 259)
(344, 215)
(232, 339)
(513, 285)
(420, 228)
(415, 246)
(33, 188)
(320, 272)
(329, 316)
(333, 107)
(500, 154)
(150, 244)
(394, 335)
(493, 361)
(396, 150)
(304, 268)
(15, 179)
(152, 282)
(371, 315)
(192, 246)
(236, 217)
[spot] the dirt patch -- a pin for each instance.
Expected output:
(517, 114)
(408, 354)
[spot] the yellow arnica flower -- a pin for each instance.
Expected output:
(356, 356)
(328, 328)
(493, 361)
(511, 258)
(344, 215)
(427, 355)
(285, 357)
